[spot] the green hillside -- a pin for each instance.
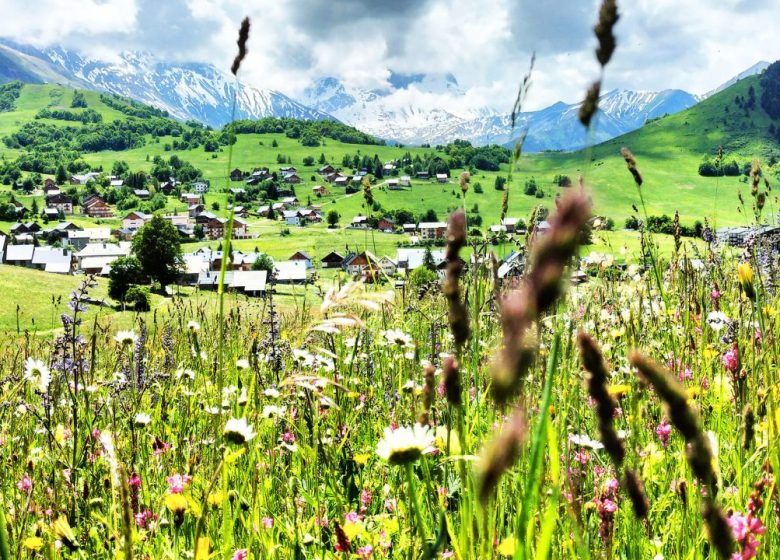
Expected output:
(669, 151)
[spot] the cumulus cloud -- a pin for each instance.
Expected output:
(688, 44)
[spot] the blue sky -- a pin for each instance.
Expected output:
(687, 44)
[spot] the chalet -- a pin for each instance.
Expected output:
(258, 176)
(24, 228)
(264, 211)
(357, 179)
(117, 183)
(79, 239)
(511, 224)
(240, 228)
(96, 207)
(194, 209)
(236, 175)
(241, 211)
(236, 191)
(63, 229)
(19, 255)
(410, 228)
(251, 282)
(497, 229)
(332, 260)
(326, 170)
(168, 186)
(362, 262)
(50, 213)
(388, 168)
(341, 181)
(51, 259)
(135, 220)
(423, 175)
(388, 265)
(143, 194)
(291, 178)
(21, 209)
(393, 185)
(278, 206)
(291, 217)
(385, 224)
(190, 198)
(360, 222)
(290, 272)
(405, 181)
(61, 202)
(310, 215)
(288, 169)
(304, 257)
(200, 187)
(49, 183)
(50, 188)
(319, 190)
(432, 230)
(331, 177)
(290, 202)
(95, 258)
(441, 177)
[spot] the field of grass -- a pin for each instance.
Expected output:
(349, 431)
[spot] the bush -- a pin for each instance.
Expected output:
(138, 297)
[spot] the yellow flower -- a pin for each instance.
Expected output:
(33, 543)
(441, 440)
(352, 529)
(745, 274)
(361, 458)
(176, 503)
(215, 499)
(507, 546)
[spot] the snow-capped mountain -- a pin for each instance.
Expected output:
(408, 109)
(186, 90)
(393, 114)
(757, 68)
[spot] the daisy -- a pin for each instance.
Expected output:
(404, 445)
(142, 419)
(242, 364)
(194, 326)
(399, 338)
(36, 372)
(271, 393)
(269, 411)
(126, 337)
(237, 430)
(717, 320)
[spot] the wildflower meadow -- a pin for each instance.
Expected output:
(632, 415)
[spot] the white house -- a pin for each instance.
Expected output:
(291, 217)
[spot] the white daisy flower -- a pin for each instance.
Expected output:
(237, 430)
(187, 374)
(126, 337)
(242, 364)
(398, 338)
(405, 445)
(269, 411)
(717, 320)
(142, 419)
(271, 393)
(194, 326)
(584, 440)
(36, 372)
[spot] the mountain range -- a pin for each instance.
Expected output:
(405, 111)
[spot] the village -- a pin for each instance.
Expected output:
(60, 246)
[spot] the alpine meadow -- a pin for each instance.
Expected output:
(348, 280)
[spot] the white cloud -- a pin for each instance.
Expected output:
(688, 44)
(43, 22)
